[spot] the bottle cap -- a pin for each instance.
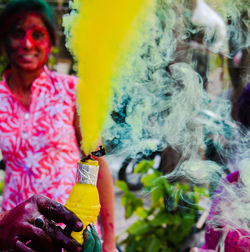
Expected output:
(87, 172)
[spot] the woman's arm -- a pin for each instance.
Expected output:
(106, 193)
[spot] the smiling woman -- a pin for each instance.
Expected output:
(27, 34)
(28, 44)
(39, 126)
(37, 133)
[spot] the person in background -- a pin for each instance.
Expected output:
(244, 107)
(39, 125)
(32, 226)
(235, 240)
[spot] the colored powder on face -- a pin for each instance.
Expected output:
(101, 34)
(35, 37)
(28, 36)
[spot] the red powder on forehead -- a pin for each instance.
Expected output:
(20, 18)
(12, 21)
(36, 35)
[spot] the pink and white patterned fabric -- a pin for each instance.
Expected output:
(38, 144)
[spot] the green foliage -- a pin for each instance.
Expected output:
(164, 225)
(1, 181)
(128, 200)
(3, 65)
(52, 57)
(1, 187)
(4, 1)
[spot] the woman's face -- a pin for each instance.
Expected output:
(28, 44)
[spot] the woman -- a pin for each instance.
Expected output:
(39, 129)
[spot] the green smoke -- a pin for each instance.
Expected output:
(161, 102)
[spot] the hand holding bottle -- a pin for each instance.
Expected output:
(32, 226)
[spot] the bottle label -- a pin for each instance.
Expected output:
(87, 173)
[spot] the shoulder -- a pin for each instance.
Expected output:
(68, 80)
(3, 87)
(64, 84)
(1, 83)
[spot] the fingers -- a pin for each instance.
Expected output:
(22, 247)
(50, 238)
(92, 243)
(58, 213)
(40, 240)
(60, 238)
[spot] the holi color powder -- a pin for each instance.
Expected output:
(160, 102)
(141, 90)
(101, 35)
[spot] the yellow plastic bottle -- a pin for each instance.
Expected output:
(84, 199)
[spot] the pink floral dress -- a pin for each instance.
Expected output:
(38, 144)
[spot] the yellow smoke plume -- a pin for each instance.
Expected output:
(101, 35)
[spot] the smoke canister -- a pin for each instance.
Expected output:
(84, 199)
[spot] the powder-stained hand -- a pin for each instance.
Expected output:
(32, 226)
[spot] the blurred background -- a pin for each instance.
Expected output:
(221, 77)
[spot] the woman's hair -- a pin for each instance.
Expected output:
(244, 107)
(16, 8)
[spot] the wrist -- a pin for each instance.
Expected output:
(109, 246)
